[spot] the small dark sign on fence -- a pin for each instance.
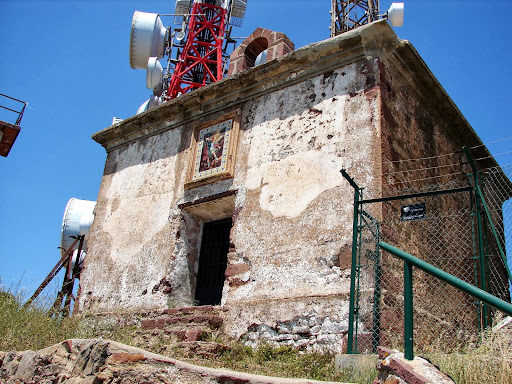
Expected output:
(412, 212)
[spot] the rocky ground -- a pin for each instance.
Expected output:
(98, 361)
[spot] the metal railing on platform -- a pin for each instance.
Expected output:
(11, 101)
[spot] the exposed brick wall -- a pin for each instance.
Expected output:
(277, 45)
(412, 129)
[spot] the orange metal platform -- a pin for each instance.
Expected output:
(8, 134)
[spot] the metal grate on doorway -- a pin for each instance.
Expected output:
(213, 261)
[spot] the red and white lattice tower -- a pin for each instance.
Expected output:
(201, 61)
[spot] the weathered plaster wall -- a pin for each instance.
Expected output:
(293, 231)
(293, 211)
(130, 247)
(303, 118)
(292, 214)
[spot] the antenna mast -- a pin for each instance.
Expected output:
(350, 14)
(201, 62)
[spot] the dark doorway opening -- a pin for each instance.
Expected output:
(213, 259)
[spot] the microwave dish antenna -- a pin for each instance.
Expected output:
(76, 224)
(77, 220)
(148, 38)
(395, 14)
(180, 35)
(152, 102)
(154, 73)
(143, 107)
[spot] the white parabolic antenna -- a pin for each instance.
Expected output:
(77, 220)
(143, 107)
(147, 39)
(396, 14)
(154, 73)
(262, 58)
(180, 35)
(152, 102)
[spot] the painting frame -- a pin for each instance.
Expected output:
(213, 150)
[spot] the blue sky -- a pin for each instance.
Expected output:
(69, 60)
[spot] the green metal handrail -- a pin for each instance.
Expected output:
(470, 289)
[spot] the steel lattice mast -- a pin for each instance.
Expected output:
(350, 14)
(201, 62)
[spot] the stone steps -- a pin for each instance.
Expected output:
(183, 320)
(207, 350)
(186, 331)
(210, 321)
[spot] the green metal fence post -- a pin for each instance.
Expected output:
(377, 293)
(475, 257)
(357, 268)
(494, 232)
(351, 313)
(408, 312)
(480, 233)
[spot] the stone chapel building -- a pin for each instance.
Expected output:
(232, 196)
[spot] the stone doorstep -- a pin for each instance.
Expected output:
(182, 333)
(202, 348)
(157, 313)
(193, 334)
(183, 312)
(162, 322)
(204, 309)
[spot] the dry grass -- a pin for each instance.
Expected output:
(486, 360)
(30, 328)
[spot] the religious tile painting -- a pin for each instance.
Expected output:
(212, 149)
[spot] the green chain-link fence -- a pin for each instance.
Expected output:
(455, 219)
